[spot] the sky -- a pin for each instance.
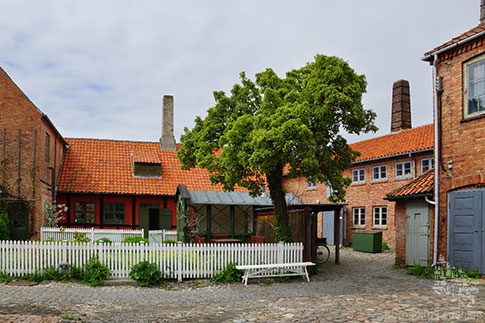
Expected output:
(99, 69)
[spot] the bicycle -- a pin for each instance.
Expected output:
(323, 252)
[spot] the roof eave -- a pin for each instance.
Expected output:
(409, 196)
(428, 57)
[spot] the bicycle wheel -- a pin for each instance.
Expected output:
(323, 253)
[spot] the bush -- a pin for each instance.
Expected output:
(136, 239)
(4, 223)
(5, 278)
(169, 241)
(104, 240)
(81, 237)
(441, 272)
(313, 270)
(229, 275)
(95, 272)
(76, 273)
(53, 273)
(385, 247)
(146, 273)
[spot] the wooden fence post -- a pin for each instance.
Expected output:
(179, 261)
(64, 251)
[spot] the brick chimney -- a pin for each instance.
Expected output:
(401, 106)
(482, 12)
(167, 142)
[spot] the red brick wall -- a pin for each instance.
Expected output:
(366, 195)
(17, 112)
(462, 141)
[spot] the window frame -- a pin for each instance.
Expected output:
(466, 65)
(47, 147)
(328, 190)
(380, 217)
(114, 212)
(379, 172)
(360, 216)
(430, 160)
(84, 211)
(404, 175)
(137, 173)
(358, 170)
(311, 184)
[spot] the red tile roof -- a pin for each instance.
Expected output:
(418, 187)
(455, 40)
(405, 141)
(105, 166)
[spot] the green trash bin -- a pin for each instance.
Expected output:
(367, 241)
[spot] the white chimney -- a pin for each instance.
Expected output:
(167, 142)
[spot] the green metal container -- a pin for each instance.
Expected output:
(367, 241)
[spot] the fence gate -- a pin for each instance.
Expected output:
(466, 230)
(18, 215)
(417, 233)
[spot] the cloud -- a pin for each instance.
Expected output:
(100, 68)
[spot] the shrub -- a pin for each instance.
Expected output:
(385, 247)
(313, 270)
(146, 273)
(53, 273)
(4, 223)
(95, 272)
(229, 275)
(136, 239)
(81, 237)
(5, 278)
(104, 240)
(441, 272)
(169, 241)
(76, 273)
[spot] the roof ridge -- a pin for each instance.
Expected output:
(111, 140)
(392, 133)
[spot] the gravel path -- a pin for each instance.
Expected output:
(364, 287)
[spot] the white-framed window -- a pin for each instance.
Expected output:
(329, 190)
(379, 173)
(311, 184)
(380, 216)
(426, 164)
(263, 187)
(404, 169)
(474, 86)
(358, 175)
(359, 216)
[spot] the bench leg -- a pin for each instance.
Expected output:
(306, 274)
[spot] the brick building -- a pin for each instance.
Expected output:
(459, 72)
(31, 155)
(385, 164)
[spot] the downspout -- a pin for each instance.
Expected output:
(436, 161)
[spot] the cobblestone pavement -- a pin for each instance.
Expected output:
(363, 288)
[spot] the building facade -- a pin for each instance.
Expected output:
(459, 74)
(31, 155)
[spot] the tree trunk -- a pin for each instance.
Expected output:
(278, 196)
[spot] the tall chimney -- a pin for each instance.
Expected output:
(167, 142)
(401, 106)
(482, 12)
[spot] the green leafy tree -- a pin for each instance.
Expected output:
(273, 126)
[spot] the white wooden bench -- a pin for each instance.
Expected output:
(275, 270)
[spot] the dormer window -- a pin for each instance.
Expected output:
(147, 170)
(474, 86)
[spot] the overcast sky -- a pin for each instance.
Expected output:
(99, 69)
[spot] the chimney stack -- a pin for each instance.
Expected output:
(167, 142)
(401, 106)
(482, 12)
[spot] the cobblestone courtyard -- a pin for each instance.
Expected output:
(364, 287)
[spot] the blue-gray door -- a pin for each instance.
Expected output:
(466, 230)
(417, 233)
(329, 227)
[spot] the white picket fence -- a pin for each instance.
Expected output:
(176, 261)
(159, 236)
(93, 234)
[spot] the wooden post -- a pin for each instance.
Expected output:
(3, 158)
(231, 220)
(19, 165)
(336, 213)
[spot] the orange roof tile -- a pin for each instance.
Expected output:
(405, 141)
(420, 186)
(455, 40)
(105, 166)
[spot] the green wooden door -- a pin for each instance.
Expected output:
(165, 219)
(18, 215)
